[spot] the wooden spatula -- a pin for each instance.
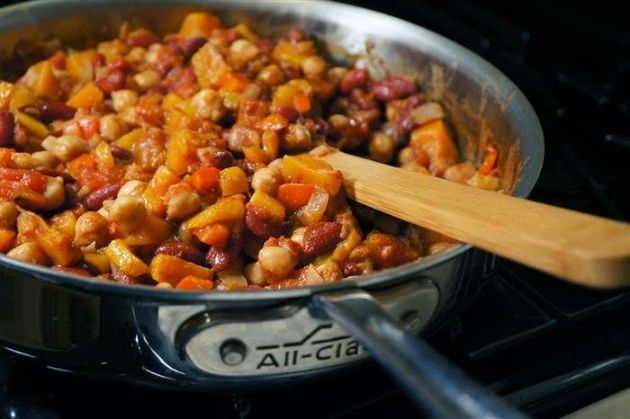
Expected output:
(577, 247)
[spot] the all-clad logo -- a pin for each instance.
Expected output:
(309, 350)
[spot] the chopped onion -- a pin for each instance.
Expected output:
(310, 277)
(427, 112)
(314, 210)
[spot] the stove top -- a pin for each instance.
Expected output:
(547, 346)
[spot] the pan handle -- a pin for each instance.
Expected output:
(436, 386)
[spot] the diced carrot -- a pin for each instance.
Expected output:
(490, 160)
(193, 283)
(88, 96)
(199, 24)
(5, 157)
(295, 195)
(205, 180)
(7, 238)
(233, 82)
(171, 269)
(301, 102)
(213, 235)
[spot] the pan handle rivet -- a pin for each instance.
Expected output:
(233, 352)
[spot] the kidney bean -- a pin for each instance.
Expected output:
(94, 201)
(7, 123)
(120, 64)
(354, 78)
(321, 238)
(114, 80)
(182, 251)
(252, 244)
(142, 39)
(216, 157)
(119, 152)
(260, 222)
(67, 177)
(288, 112)
(49, 112)
(219, 259)
(232, 35)
(364, 100)
(392, 87)
(350, 268)
(189, 46)
(265, 45)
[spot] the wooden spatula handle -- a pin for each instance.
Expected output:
(582, 248)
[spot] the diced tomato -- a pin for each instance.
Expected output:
(295, 195)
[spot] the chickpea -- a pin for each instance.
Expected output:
(297, 137)
(183, 203)
(128, 212)
(254, 274)
(66, 147)
(272, 75)
(123, 99)
(241, 52)
(208, 104)
(276, 164)
(55, 194)
(314, 66)
(91, 227)
(276, 262)
(337, 123)
(415, 167)
(164, 285)
(406, 155)
(28, 252)
(136, 54)
(267, 180)
(44, 159)
(147, 79)
(132, 188)
(336, 74)
(381, 147)
(8, 214)
(113, 127)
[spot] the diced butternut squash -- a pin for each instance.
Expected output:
(42, 81)
(199, 24)
(57, 246)
(285, 94)
(21, 96)
(120, 255)
(6, 90)
(293, 54)
(245, 31)
(151, 232)
(171, 269)
(274, 208)
(65, 222)
(181, 151)
(226, 210)
(154, 194)
(233, 181)
(104, 156)
(31, 124)
(435, 140)
(307, 169)
(7, 238)
(98, 261)
(88, 96)
(129, 139)
(80, 65)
